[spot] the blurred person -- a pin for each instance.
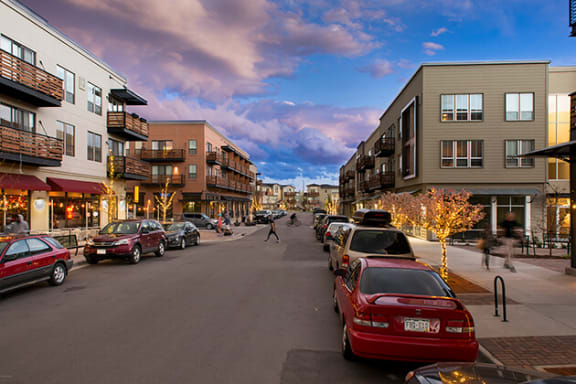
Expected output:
(510, 235)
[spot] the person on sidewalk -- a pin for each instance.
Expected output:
(20, 226)
(219, 224)
(486, 243)
(510, 235)
(272, 230)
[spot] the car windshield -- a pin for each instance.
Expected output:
(174, 226)
(126, 228)
(403, 281)
(338, 220)
(380, 242)
(261, 212)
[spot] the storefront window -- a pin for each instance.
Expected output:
(13, 203)
(74, 210)
(192, 207)
(511, 204)
(558, 216)
(485, 201)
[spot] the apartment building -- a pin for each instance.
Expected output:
(271, 195)
(62, 119)
(288, 200)
(192, 159)
(460, 126)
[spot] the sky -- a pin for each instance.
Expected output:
(299, 83)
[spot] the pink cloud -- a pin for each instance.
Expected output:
(431, 48)
(439, 31)
(378, 69)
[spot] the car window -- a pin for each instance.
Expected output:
(175, 226)
(403, 281)
(345, 234)
(18, 249)
(380, 242)
(338, 220)
(55, 243)
(352, 275)
(3, 246)
(37, 246)
(129, 227)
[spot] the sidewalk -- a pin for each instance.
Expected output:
(541, 327)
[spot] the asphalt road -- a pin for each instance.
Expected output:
(243, 311)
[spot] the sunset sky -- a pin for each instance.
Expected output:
(297, 83)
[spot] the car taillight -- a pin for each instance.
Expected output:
(328, 234)
(325, 226)
(368, 320)
(459, 326)
(345, 261)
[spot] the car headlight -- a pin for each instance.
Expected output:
(122, 242)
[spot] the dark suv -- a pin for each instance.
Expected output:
(28, 259)
(199, 220)
(127, 240)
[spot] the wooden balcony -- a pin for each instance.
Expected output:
(27, 82)
(29, 148)
(163, 155)
(365, 162)
(128, 168)
(231, 185)
(128, 126)
(214, 158)
(382, 181)
(290, 194)
(349, 175)
(231, 164)
(349, 191)
(364, 186)
(160, 180)
(384, 147)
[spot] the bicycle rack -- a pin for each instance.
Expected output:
(503, 297)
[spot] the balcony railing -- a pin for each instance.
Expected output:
(175, 180)
(128, 168)
(159, 155)
(382, 181)
(214, 158)
(231, 185)
(384, 147)
(364, 186)
(349, 174)
(365, 162)
(349, 191)
(128, 126)
(28, 82)
(29, 148)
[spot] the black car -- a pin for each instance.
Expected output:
(318, 210)
(181, 234)
(263, 217)
(326, 221)
(200, 220)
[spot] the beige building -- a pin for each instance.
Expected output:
(460, 126)
(62, 112)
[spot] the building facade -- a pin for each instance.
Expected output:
(204, 170)
(460, 126)
(63, 119)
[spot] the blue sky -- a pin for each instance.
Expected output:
(298, 84)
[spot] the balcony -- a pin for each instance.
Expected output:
(290, 194)
(128, 126)
(29, 83)
(160, 180)
(349, 175)
(214, 158)
(364, 186)
(231, 185)
(384, 147)
(313, 194)
(382, 181)
(162, 155)
(128, 168)
(349, 191)
(365, 162)
(29, 148)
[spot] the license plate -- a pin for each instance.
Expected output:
(417, 325)
(100, 251)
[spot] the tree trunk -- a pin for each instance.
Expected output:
(444, 267)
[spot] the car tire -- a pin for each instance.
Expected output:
(335, 302)
(210, 227)
(58, 274)
(161, 249)
(135, 255)
(197, 240)
(183, 243)
(91, 260)
(346, 348)
(330, 267)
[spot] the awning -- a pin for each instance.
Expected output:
(560, 151)
(504, 191)
(127, 96)
(27, 182)
(194, 196)
(234, 198)
(65, 185)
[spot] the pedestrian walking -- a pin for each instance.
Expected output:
(219, 224)
(486, 243)
(272, 230)
(226, 218)
(509, 227)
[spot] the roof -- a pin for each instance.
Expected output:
(389, 262)
(560, 151)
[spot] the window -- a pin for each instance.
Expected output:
(558, 132)
(461, 153)
(116, 147)
(192, 171)
(94, 99)
(18, 250)
(519, 106)
(161, 170)
(94, 147)
(469, 107)
(408, 127)
(66, 133)
(138, 148)
(17, 118)
(208, 147)
(115, 105)
(192, 147)
(18, 50)
(37, 246)
(68, 83)
(127, 148)
(519, 147)
(161, 145)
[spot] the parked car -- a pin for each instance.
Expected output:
(128, 240)
(29, 259)
(319, 210)
(181, 234)
(480, 373)
(372, 235)
(263, 217)
(400, 309)
(277, 213)
(317, 218)
(200, 220)
(326, 221)
(333, 228)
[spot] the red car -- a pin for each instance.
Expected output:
(128, 240)
(400, 309)
(29, 259)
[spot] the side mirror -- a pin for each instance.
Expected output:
(340, 272)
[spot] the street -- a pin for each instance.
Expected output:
(243, 311)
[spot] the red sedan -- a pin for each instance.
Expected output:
(400, 309)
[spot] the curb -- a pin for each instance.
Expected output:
(485, 356)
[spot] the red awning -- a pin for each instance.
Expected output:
(27, 182)
(65, 185)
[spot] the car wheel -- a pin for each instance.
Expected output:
(58, 274)
(91, 260)
(330, 267)
(209, 226)
(161, 249)
(335, 302)
(197, 240)
(346, 348)
(183, 243)
(136, 255)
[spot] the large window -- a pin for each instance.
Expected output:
(17, 118)
(18, 50)
(558, 133)
(162, 145)
(116, 147)
(161, 170)
(192, 147)
(192, 171)
(519, 106)
(66, 133)
(467, 107)
(519, 147)
(208, 147)
(94, 99)
(68, 83)
(408, 127)
(462, 153)
(94, 147)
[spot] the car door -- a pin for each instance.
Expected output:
(189, 233)
(146, 236)
(157, 234)
(43, 257)
(16, 266)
